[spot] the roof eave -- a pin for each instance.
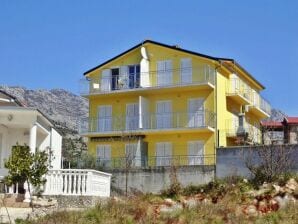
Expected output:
(159, 44)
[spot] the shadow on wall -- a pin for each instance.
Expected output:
(230, 161)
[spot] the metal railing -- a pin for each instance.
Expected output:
(165, 78)
(155, 121)
(236, 86)
(155, 161)
(261, 103)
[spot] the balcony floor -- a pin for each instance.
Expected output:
(157, 89)
(238, 98)
(258, 112)
(150, 132)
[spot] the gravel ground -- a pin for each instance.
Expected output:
(23, 213)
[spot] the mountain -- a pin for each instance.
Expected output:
(64, 108)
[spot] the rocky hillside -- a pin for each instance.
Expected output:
(61, 106)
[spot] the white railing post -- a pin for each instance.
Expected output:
(89, 183)
(27, 194)
(75, 182)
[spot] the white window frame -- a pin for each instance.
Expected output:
(132, 121)
(185, 72)
(132, 156)
(164, 75)
(106, 150)
(164, 119)
(104, 123)
(195, 158)
(196, 118)
(163, 158)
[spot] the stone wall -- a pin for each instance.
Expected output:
(76, 201)
(231, 160)
(156, 179)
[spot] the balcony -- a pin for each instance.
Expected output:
(238, 91)
(234, 129)
(192, 77)
(246, 131)
(201, 121)
(260, 106)
(155, 161)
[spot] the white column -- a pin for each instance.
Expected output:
(32, 139)
(27, 194)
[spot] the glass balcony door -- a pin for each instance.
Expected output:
(115, 78)
(134, 76)
(185, 70)
(132, 116)
(163, 114)
(163, 154)
(195, 153)
(132, 159)
(103, 153)
(104, 118)
(164, 73)
(196, 112)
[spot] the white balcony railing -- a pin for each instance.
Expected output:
(166, 78)
(261, 103)
(200, 119)
(237, 86)
(77, 182)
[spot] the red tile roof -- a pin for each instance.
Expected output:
(292, 120)
(276, 124)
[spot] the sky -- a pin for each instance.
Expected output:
(50, 44)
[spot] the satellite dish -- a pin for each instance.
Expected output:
(144, 53)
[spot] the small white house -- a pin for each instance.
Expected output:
(24, 125)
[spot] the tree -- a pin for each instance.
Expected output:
(269, 162)
(27, 167)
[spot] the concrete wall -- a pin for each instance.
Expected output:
(156, 179)
(231, 160)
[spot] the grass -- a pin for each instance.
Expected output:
(226, 200)
(142, 209)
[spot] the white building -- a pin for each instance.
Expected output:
(24, 125)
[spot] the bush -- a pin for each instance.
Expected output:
(174, 190)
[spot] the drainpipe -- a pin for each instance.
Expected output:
(216, 145)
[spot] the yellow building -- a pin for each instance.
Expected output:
(160, 105)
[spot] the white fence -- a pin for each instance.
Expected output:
(77, 182)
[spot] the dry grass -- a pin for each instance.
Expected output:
(221, 202)
(144, 210)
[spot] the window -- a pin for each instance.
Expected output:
(104, 118)
(132, 159)
(103, 153)
(132, 116)
(115, 78)
(164, 114)
(134, 76)
(196, 112)
(185, 70)
(164, 73)
(195, 153)
(163, 154)
(106, 80)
